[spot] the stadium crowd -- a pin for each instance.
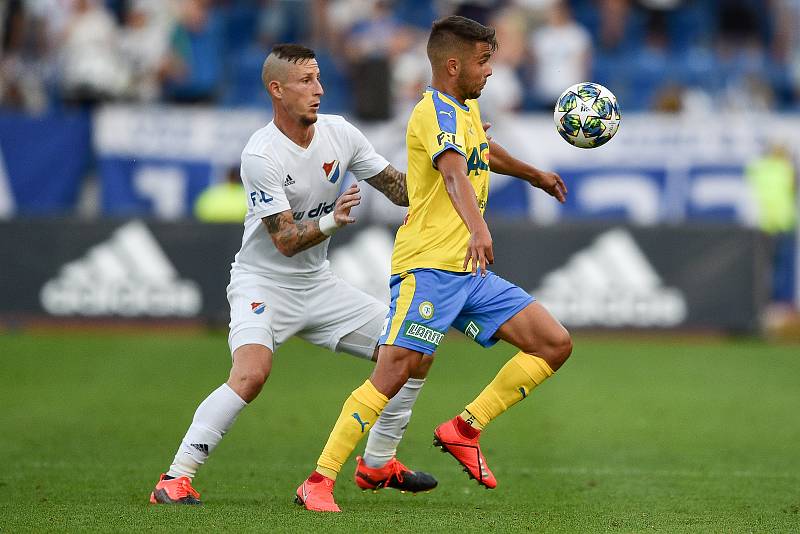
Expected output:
(667, 55)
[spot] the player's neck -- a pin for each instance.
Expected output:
(449, 89)
(297, 132)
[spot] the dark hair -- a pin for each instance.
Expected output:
(448, 34)
(292, 52)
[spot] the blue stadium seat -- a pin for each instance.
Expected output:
(244, 86)
(241, 25)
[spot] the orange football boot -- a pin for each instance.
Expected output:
(392, 475)
(465, 449)
(174, 491)
(317, 496)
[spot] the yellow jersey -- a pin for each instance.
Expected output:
(433, 235)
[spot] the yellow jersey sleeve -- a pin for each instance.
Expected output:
(437, 126)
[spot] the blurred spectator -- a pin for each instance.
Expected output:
(739, 20)
(222, 202)
(669, 99)
(505, 92)
(614, 18)
(92, 68)
(23, 59)
(372, 46)
(652, 73)
(786, 44)
(480, 10)
(411, 74)
(536, 9)
(743, 69)
(143, 44)
(288, 21)
(561, 52)
(739, 54)
(660, 5)
(193, 69)
(773, 182)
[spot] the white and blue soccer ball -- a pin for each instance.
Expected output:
(587, 115)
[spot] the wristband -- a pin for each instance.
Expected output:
(327, 225)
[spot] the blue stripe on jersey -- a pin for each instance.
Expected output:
(445, 113)
(452, 99)
(447, 146)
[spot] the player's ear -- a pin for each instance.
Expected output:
(453, 65)
(275, 90)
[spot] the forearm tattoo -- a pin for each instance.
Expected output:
(290, 236)
(392, 183)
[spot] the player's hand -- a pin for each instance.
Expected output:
(479, 251)
(552, 184)
(347, 201)
(486, 126)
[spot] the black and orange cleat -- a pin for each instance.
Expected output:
(174, 491)
(392, 475)
(465, 449)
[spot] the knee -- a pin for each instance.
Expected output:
(248, 382)
(394, 367)
(558, 349)
(554, 347)
(421, 369)
(402, 372)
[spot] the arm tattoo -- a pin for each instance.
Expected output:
(392, 183)
(291, 237)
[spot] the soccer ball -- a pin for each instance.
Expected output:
(587, 115)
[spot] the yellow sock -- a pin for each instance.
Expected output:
(513, 383)
(359, 413)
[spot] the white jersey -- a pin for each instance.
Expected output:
(279, 175)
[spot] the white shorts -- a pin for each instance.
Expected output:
(266, 314)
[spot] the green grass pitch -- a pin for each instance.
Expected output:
(641, 435)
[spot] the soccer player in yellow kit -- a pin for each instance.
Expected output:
(439, 275)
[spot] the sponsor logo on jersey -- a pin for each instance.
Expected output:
(423, 333)
(331, 171)
(447, 137)
(611, 283)
(320, 210)
(260, 197)
(288, 181)
(472, 330)
(478, 159)
(258, 307)
(127, 275)
(426, 309)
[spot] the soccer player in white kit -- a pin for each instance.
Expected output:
(281, 283)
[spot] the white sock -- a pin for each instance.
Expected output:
(391, 425)
(213, 418)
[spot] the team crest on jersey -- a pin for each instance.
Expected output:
(258, 307)
(426, 309)
(331, 171)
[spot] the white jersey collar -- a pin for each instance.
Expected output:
(291, 145)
